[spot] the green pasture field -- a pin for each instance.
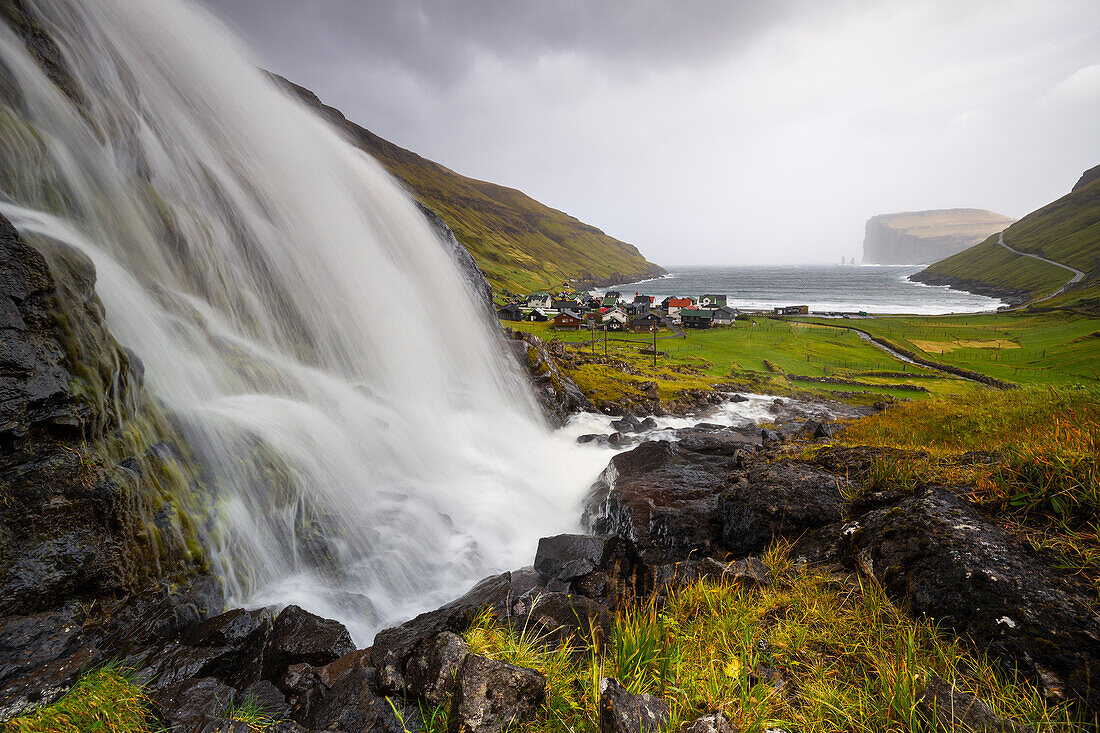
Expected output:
(1051, 348)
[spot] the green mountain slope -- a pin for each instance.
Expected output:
(1065, 231)
(519, 243)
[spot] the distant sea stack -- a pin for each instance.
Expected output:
(923, 237)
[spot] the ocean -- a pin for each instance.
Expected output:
(825, 288)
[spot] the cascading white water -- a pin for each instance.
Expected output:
(372, 452)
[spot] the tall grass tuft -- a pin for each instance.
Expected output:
(106, 700)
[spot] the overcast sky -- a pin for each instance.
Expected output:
(721, 131)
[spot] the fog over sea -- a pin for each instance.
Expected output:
(844, 288)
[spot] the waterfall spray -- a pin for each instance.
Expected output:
(370, 449)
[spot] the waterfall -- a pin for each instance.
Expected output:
(371, 451)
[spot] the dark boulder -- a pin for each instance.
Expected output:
(163, 666)
(303, 688)
(41, 657)
(627, 424)
(333, 671)
(596, 438)
(947, 709)
(432, 670)
(561, 618)
(604, 568)
(493, 696)
(751, 572)
(393, 647)
(781, 499)
(354, 704)
(188, 703)
(664, 498)
(300, 636)
(623, 712)
(245, 635)
(267, 698)
(936, 555)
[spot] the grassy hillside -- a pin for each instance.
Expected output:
(520, 244)
(1066, 231)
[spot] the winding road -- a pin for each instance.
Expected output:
(1077, 274)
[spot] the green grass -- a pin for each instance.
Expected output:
(105, 700)
(108, 700)
(1055, 348)
(849, 660)
(769, 357)
(1046, 480)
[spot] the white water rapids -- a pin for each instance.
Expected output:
(372, 452)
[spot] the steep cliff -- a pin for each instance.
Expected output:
(96, 499)
(920, 237)
(1066, 231)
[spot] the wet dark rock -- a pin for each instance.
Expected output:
(594, 438)
(41, 657)
(781, 499)
(717, 442)
(432, 670)
(751, 572)
(711, 723)
(817, 429)
(333, 671)
(393, 647)
(627, 424)
(304, 689)
(648, 424)
(164, 666)
(301, 636)
(950, 710)
(246, 634)
(570, 556)
(493, 696)
(72, 523)
(622, 712)
(353, 704)
(561, 618)
(769, 436)
(267, 697)
(557, 394)
(150, 617)
(938, 556)
(663, 497)
(187, 703)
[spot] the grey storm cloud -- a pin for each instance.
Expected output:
(439, 39)
(714, 131)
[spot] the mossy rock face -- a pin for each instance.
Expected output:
(43, 48)
(96, 497)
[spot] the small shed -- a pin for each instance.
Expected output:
(724, 316)
(648, 321)
(537, 316)
(697, 318)
(792, 310)
(510, 312)
(568, 321)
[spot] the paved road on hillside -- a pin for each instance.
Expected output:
(1077, 274)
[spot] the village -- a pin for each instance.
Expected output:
(614, 312)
